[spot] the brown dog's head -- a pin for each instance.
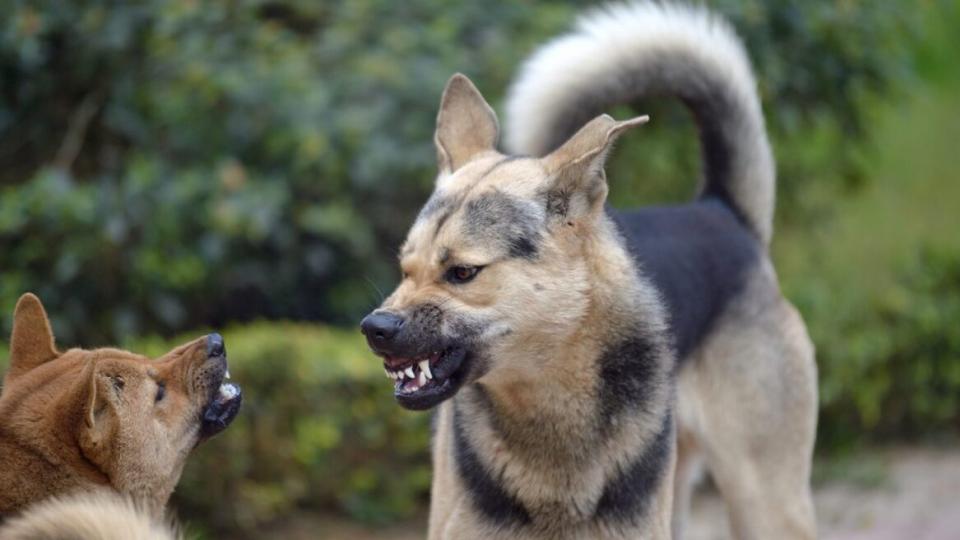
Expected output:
(497, 269)
(110, 414)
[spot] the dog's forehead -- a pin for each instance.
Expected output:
(110, 353)
(493, 208)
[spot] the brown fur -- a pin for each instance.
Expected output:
(89, 420)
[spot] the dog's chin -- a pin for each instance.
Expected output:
(222, 406)
(425, 382)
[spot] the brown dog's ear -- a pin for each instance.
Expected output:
(102, 389)
(32, 341)
(576, 168)
(466, 124)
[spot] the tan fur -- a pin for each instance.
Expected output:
(747, 397)
(748, 401)
(85, 420)
(101, 516)
(583, 281)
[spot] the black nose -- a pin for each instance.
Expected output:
(215, 346)
(380, 327)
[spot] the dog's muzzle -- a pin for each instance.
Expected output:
(226, 397)
(421, 379)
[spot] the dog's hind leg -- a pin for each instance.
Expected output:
(750, 398)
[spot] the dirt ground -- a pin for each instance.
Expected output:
(905, 494)
(892, 495)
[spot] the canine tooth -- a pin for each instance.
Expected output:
(226, 374)
(425, 369)
(423, 378)
(409, 372)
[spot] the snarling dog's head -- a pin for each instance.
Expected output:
(106, 417)
(495, 269)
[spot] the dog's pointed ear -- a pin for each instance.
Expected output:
(100, 390)
(466, 125)
(32, 341)
(579, 185)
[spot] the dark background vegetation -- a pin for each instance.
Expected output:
(171, 166)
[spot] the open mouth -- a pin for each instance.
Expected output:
(423, 382)
(223, 406)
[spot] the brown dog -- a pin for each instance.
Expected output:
(108, 420)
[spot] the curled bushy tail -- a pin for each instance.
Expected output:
(93, 516)
(626, 51)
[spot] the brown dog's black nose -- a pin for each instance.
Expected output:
(215, 346)
(380, 327)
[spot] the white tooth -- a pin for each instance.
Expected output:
(228, 391)
(393, 375)
(423, 378)
(399, 375)
(425, 368)
(387, 373)
(226, 374)
(409, 372)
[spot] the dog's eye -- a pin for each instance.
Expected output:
(118, 382)
(161, 391)
(462, 274)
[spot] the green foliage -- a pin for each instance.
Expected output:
(903, 381)
(179, 163)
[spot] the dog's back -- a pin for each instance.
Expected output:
(92, 516)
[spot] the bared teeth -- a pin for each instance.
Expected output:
(409, 372)
(425, 369)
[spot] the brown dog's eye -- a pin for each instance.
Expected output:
(161, 391)
(118, 382)
(459, 275)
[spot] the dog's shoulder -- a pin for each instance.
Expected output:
(697, 255)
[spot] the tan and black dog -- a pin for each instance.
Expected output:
(585, 360)
(100, 421)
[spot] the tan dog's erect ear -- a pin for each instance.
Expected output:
(101, 391)
(576, 167)
(32, 341)
(466, 124)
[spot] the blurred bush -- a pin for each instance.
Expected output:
(891, 368)
(179, 163)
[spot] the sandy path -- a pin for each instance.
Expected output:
(919, 499)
